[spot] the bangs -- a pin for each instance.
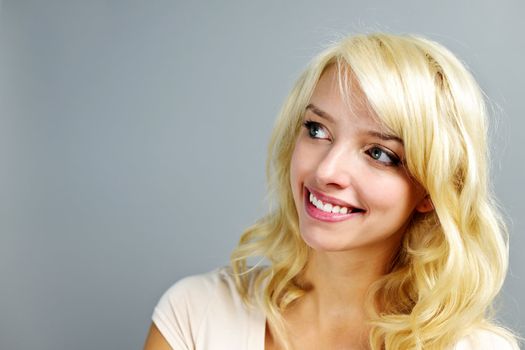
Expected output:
(348, 84)
(399, 80)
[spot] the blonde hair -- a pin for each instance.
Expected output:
(453, 260)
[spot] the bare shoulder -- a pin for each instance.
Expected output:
(482, 339)
(155, 340)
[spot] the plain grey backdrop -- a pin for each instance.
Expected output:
(133, 138)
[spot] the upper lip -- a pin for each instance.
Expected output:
(327, 199)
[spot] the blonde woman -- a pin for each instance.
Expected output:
(384, 233)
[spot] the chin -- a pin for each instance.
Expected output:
(321, 242)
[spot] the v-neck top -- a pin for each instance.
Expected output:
(206, 312)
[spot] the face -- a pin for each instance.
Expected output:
(348, 181)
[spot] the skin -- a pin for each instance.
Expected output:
(346, 155)
(155, 340)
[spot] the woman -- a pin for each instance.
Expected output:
(384, 233)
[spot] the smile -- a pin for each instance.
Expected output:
(325, 210)
(327, 207)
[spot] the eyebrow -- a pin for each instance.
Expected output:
(385, 137)
(378, 134)
(320, 113)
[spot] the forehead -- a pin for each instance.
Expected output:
(339, 95)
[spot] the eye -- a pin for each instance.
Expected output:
(316, 130)
(383, 156)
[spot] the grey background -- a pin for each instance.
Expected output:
(133, 137)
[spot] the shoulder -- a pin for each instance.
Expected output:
(481, 339)
(199, 287)
(190, 298)
(203, 289)
(189, 308)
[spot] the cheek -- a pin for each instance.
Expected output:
(299, 164)
(392, 193)
(302, 166)
(295, 172)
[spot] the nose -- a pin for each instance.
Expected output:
(336, 168)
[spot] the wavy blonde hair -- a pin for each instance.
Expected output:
(453, 260)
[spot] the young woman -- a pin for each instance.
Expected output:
(384, 233)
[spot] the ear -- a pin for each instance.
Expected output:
(425, 205)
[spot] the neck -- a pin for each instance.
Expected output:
(337, 282)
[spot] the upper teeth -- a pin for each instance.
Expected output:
(328, 207)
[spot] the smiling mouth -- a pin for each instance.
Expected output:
(328, 207)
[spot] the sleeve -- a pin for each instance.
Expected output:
(179, 312)
(486, 340)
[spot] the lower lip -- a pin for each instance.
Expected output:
(318, 214)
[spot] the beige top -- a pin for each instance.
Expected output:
(206, 312)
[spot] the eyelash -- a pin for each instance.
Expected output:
(309, 124)
(394, 159)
